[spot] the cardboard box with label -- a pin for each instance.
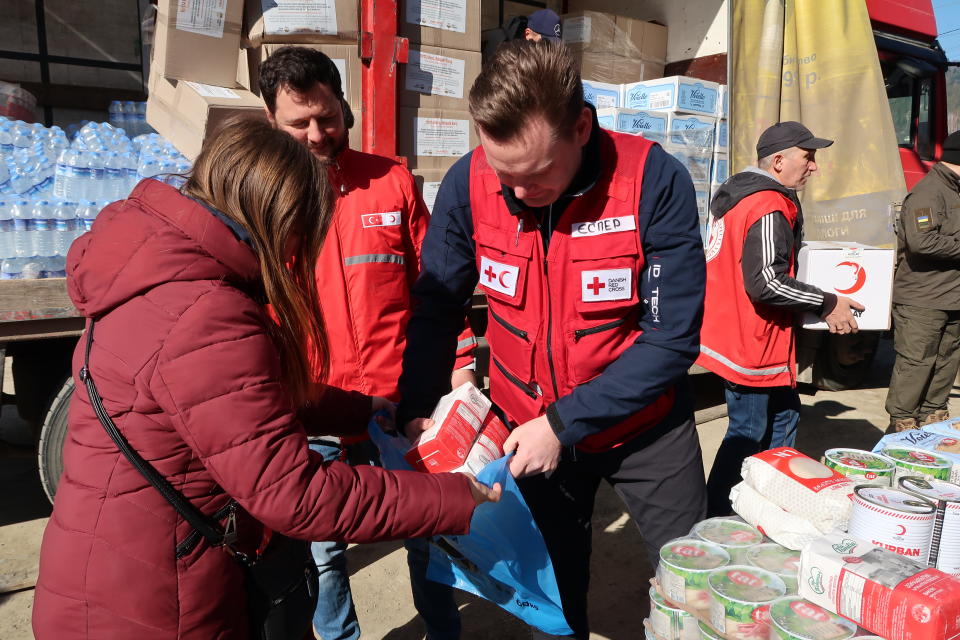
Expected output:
(602, 95)
(858, 271)
(688, 130)
(681, 94)
(438, 78)
(466, 435)
(434, 138)
(723, 107)
(609, 33)
(195, 110)
(428, 182)
(720, 169)
(888, 594)
(696, 161)
(198, 40)
(649, 124)
(721, 140)
(300, 22)
(453, 24)
(611, 68)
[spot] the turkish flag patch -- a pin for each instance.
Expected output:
(387, 219)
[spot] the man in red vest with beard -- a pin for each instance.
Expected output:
(752, 298)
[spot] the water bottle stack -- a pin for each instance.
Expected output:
(53, 183)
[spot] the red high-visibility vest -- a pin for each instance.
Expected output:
(743, 342)
(557, 319)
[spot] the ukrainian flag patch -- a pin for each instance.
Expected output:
(922, 217)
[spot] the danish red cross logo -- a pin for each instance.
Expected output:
(596, 285)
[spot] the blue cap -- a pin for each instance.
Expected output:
(546, 23)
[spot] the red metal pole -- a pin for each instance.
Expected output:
(381, 51)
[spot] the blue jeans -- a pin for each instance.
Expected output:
(760, 418)
(335, 617)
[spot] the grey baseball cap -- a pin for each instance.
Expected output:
(785, 135)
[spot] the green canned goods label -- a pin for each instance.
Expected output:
(741, 600)
(859, 464)
(727, 532)
(684, 566)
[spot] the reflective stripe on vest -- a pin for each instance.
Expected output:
(724, 360)
(386, 258)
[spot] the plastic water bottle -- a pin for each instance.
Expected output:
(115, 176)
(86, 213)
(22, 137)
(149, 168)
(4, 178)
(97, 175)
(53, 267)
(22, 229)
(6, 230)
(22, 179)
(64, 217)
(6, 138)
(130, 169)
(11, 269)
(42, 215)
(141, 121)
(113, 112)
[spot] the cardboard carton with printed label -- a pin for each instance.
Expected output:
(602, 95)
(858, 271)
(466, 434)
(198, 40)
(649, 124)
(428, 182)
(195, 110)
(438, 78)
(434, 138)
(454, 24)
(301, 22)
(681, 94)
(608, 33)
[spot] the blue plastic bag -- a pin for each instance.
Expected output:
(503, 559)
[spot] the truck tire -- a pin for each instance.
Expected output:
(52, 436)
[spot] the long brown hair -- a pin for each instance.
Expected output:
(274, 188)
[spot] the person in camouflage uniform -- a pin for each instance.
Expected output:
(926, 297)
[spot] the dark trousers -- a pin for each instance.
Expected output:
(759, 418)
(659, 477)
(927, 342)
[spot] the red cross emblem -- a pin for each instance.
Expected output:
(596, 285)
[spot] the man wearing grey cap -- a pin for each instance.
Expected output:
(926, 297)
(752, 300)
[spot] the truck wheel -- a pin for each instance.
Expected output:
(52, 436)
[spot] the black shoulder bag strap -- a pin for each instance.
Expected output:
(201, 524)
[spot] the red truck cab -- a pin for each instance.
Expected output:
(914, 71)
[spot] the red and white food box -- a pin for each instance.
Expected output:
(854, 270)
(891, 595)
(464, 433)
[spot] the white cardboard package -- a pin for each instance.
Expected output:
(858, 271)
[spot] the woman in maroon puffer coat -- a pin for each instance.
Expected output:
(203, 384)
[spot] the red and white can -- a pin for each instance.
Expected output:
(945, 537)
(893, 519)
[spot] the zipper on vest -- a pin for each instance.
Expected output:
(517, 382)
(579, 333)
(546, 279)
(520, 333)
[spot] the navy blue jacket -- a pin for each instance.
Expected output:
(658, 360)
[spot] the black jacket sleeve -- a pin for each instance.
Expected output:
(671, 298)
(767, 251)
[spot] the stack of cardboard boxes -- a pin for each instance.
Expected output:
(615, 49)
(434, 126)
(207, 55)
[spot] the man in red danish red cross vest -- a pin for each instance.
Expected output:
(752, 298)
(586, 244)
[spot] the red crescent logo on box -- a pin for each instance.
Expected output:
(859, 275)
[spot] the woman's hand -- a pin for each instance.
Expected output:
(481, 492)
